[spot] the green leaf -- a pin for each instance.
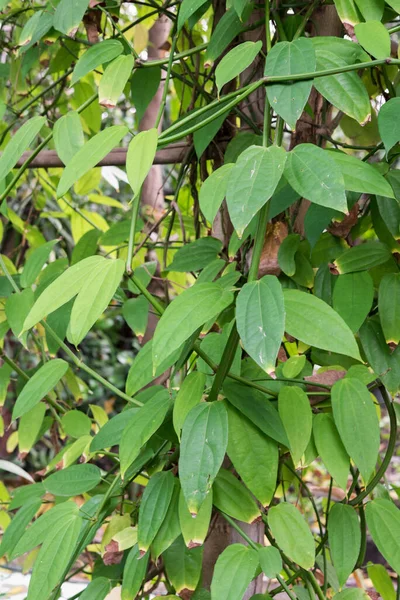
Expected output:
(39, 385)
(252, 181)
(94, 297)
(195, 255)
(19, 143)
(68, 136)
(134, 573)
(141, 371)
(371, 10)
(330, 448)
(203, 447)
(344, 540)
(30, 427)
(388, 123)
(227, 28)
(381, 581)
(352, 594)
(51, 520)
(374, 38)
(189, 311)
(97, 589)
(294, 366)
(153, 508)
(314, 174)
(213, 191)
(232, 498)
(260, 316)
(111, 432)
(87, 246)
(139, 159)
(256, 407)
(315, 323)
(17, 307)
(73, 481)
(234, 570)
(236, 61)
(290, 58)
(76, 424)
(345, 91)
(383, 520)
(114, 80)
(379, 355)
(353, 295)
(362, 257)
(189, 395)
(97, 55)
(292, 534)
(194, 530)
(183, 566)
(68, 15)
(141, 427)
(90, 155)
(18, 525)
(35, 262)
(287, 252)
(187, 9)
(54, 558)
(389, 298)
(357, 422)
(295, 412)
(254, 456)
(170, 529)
(270, 561)
(136, 313)
(144, 85)
(360, 176)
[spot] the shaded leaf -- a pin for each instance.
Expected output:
(295, 412)
(73, 481)
(96, 55)
(114, 79)
(344, 539)
(153, 508)
(292, 534)
(232, 498)
(330, 448)
(353, 295)
(236, 61)
(383, 520)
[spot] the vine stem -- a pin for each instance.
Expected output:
(166, 84)
(132, 231)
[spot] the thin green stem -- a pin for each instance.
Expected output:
(315, 585)
(240, 531)
(132, 232)
(309, 12)
(225, 364)
(285, 587)
(166, 83)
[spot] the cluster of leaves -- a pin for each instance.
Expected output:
(268, 372)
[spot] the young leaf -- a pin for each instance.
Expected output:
(153, 508)
(252, 182)
(134, 572)
(90, 155)
(353, 295)
(213, 191)
(315, 323)
(96, 55)
(35, 263)
(76, 424)
(389, 304)
(39, 385)
(330, 448)
(232, 498)
(270, 561)
(183, 566)
(381, 581)
(68, 136)
(234, 570)
(54, 558)
(68, 15)
(360, 176)
(260, 316)
(374, 38)
(294, 366)
(73, 481)
(362, 257)
(295, 412)
(344, 540)
(292, 534)
(194, 530)
(189, 395)
(141, 427)
(18, 525)
(189, 311)
(388, 123)
(93, 298)
(203, 447)
(114, 79)
(30, 426)
(139, 159)
(357, 422)
(254, 456)
(383, 520)
(315, 175)
(236, 61)
(290, 58)
(258, 409)
(19, 143)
